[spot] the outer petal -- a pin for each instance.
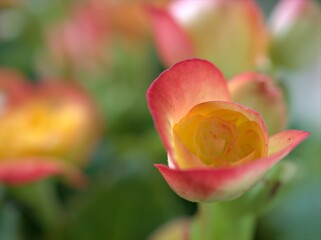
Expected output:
(207, 185)
(26, 170)
(260, 93)
(177, 90)
(172, 42)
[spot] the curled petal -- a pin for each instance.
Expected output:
(260, 93)
(172, 42)
(185, 159)
(177, 90)
(206, 184)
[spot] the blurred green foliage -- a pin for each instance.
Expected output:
(126, 198)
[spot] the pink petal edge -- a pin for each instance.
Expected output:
(206, 185)
(15, 172)
(178, 89)
(28, 170)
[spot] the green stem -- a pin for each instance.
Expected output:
(215, 221)
(47, 204)
(41, 198)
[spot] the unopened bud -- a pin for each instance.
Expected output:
(296, 33)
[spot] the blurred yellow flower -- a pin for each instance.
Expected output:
(54, 125)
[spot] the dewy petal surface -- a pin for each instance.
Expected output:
(177, 90)
(206, 184)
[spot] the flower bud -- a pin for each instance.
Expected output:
(259, 92)
(296, 33)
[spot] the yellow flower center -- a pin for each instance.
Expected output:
(221, 136)
(42, 127)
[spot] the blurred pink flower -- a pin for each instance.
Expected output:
(81, 40)
(84, 40)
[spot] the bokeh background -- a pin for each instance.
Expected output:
(125, 197)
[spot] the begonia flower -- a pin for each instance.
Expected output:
(46, 129)
(230, 34)
(217, 149)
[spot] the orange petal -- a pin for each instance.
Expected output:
(207, 184)
(177, 90)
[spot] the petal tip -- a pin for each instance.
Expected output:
(300, 134)
(160, 166)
